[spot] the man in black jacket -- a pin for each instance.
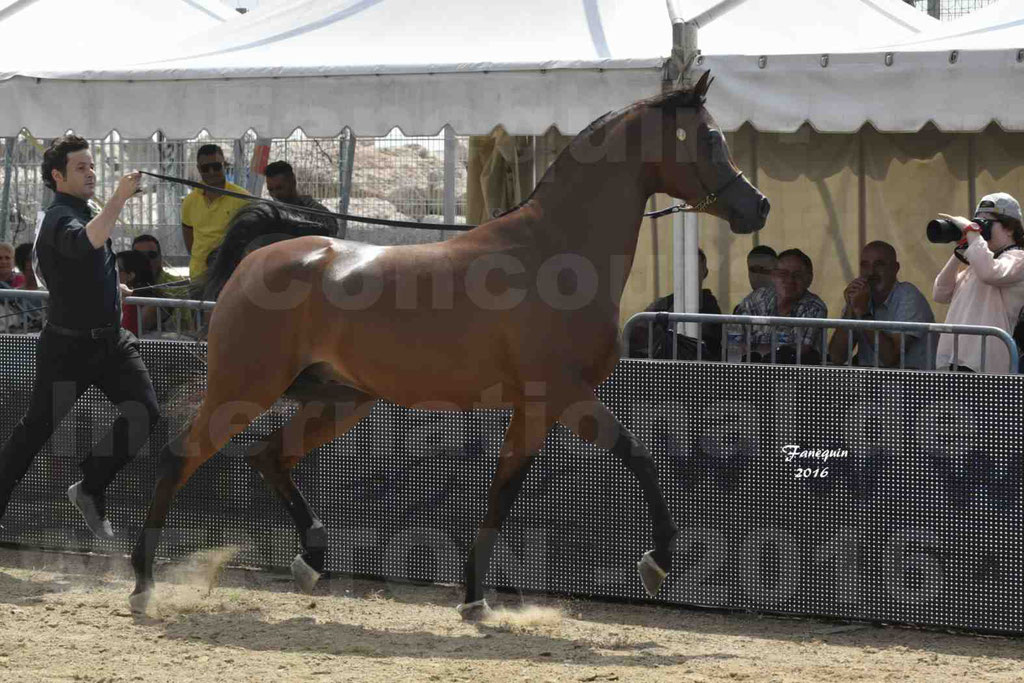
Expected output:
(82, 344)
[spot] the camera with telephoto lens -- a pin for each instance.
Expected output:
(943, 230)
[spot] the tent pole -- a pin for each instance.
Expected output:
(5, 202)
(346, 160)
(451, 153)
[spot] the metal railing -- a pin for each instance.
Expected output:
(747, 322)
(34, 302)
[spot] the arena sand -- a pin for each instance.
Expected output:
(65, 617)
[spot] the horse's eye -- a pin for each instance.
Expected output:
(680, 135)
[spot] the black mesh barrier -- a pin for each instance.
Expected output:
(889, 496)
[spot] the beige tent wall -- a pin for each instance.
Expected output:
(833, 193)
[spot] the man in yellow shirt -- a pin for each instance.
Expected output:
(205, 215)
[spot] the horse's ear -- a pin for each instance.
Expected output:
(701, 89)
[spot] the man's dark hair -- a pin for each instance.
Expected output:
(804, 258)
(135, 262)
(762, 250)
(279, 168)
(209, 149)
(1015, 228)
(147, 238)
(56, 157)
(22, 255)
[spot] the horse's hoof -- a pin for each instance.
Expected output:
(304, 575)
(651, 574)
(139, 601)
(475, 611)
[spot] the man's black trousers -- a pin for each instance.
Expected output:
(65, 368)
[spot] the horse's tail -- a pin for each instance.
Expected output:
(252, 227)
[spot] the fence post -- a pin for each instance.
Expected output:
(451, 153)
(5, 201)
(346, 160)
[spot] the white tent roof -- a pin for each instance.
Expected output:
(97, 30)
(897, 86)
(999, 26)
(374, 64)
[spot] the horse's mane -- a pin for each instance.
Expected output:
(674, 99)
(252, 226)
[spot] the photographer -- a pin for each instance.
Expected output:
(990, 291)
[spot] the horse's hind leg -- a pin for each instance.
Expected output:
(594, 423)
(313, 425)
(523, 439)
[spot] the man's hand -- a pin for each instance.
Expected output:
(958, 221)
(124, 290)
(127, 186)
(858, 296)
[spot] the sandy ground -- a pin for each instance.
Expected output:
(65, 617)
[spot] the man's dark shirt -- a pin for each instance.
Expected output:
(82, 280)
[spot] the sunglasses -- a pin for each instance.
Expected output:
(212, 166)
(150, 254)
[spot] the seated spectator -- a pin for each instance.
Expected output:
(9, 277)
(761, 262)
(171, 318)
(878, 295)
(787, 297)
(23, 260)
(282, 186)
(134, 271)
(711, 334)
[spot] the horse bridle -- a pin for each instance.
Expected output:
(708, 200)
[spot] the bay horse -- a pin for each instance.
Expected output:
(521, 311)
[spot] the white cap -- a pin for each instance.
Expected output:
(1000, 204)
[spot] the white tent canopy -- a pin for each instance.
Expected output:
(897, 86)
(374, 64)
(43, 34)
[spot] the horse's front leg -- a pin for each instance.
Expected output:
(175, 468)
(523, 439)
(594, 423)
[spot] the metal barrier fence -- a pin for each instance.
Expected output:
(849, 493)
(738, 344)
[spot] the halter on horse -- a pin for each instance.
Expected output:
(520, 312)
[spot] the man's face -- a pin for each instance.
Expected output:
(879, 267)
(759, 270)
(6, 263)
(152, 252)
(211, 169)
(79, 178)
(282, 187)
(790, 278)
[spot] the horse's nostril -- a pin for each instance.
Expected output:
(764, 206)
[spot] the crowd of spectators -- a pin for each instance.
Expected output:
(983, 282)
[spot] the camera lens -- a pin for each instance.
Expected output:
(942, 231)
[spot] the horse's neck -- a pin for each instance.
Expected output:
(593, 209)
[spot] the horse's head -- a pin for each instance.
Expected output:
(694, 162)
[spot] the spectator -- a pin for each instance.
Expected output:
(878, 295)
(172, 318)
(282, 186)
(788, 297)
(9, 277)
(761, 262)
(149, 246)
(134, 271)
(990, 291)
(205, 215)
(23, 260)
(711, 334)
